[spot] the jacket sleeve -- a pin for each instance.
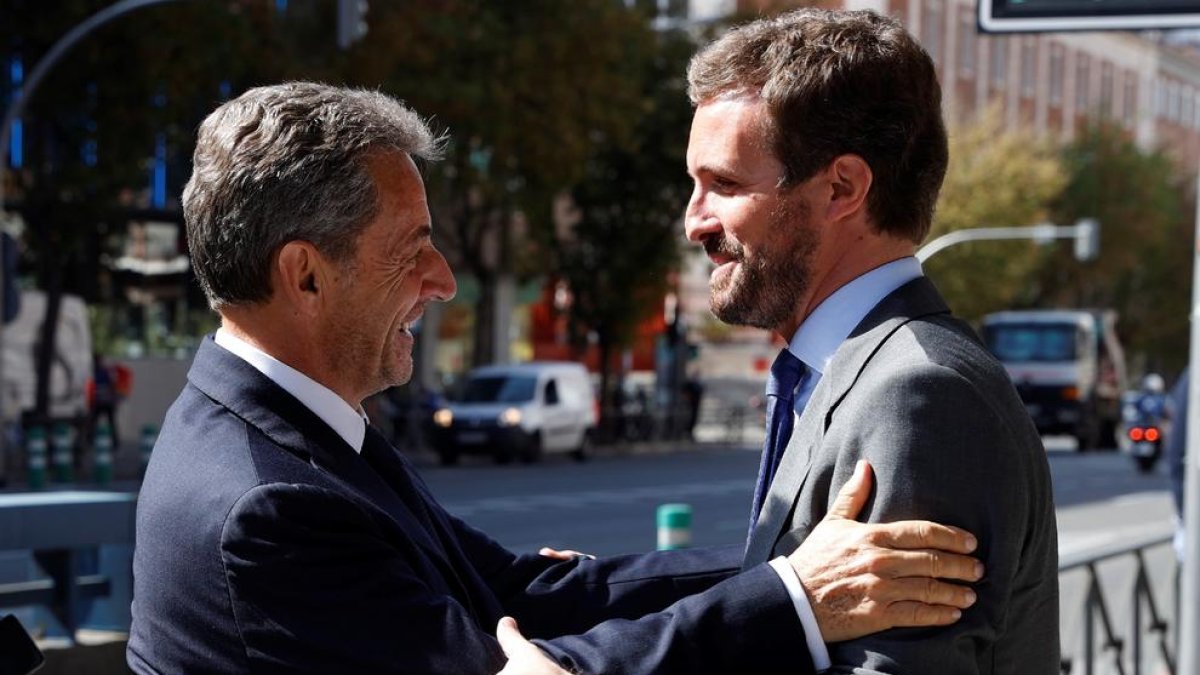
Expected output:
(317, 585)
(551, 598)
(745, 624)
(662, 612)
(942, 452)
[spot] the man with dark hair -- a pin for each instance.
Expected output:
(817, 151)
(277, 531)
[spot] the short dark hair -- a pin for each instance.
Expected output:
(840, 83)
(284, 163)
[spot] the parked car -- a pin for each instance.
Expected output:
(518, 411)
(1068, 367)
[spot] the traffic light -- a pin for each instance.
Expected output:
(351, 22)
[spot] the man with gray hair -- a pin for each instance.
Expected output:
(277, 531)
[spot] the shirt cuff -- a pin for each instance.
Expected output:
(812, 632)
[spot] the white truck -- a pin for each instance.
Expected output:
(1067, 365)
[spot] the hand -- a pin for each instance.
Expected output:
(564, 555)
(862, 578)
(524, 658)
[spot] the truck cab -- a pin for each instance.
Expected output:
(1068, 367)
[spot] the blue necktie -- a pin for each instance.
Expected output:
(781, 397)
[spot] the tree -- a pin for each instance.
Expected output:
(93, 123)
(995, 179)
(1145, 242)
(528, 91)
(624, 241)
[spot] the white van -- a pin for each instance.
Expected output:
(518, 411)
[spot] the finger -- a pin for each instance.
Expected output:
(568, 554)
(854, 494)
(912, 534)
(912, 614)
(929, 564)
(510, 638)
(925, 591)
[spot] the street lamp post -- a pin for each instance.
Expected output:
(1086, 234)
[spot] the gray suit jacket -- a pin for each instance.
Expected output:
(913, 391)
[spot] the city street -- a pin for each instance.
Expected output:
(607, 506)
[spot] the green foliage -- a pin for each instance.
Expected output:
(619, 250)
(529, 92)
(1145, 243)
(995, 179)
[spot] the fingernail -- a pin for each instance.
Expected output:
(970, 597)
(978, 570)
(858, 467)
(955, 615)
(971, 543)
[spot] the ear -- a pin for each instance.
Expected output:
(849, 179)
(301, 276)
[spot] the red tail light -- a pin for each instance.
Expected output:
(1152, 434)
(1136, 434)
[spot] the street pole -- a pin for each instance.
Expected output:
(16, 107)
(1084, 232)
(1189, 601)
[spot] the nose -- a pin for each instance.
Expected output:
(697, 221)
(439, 280)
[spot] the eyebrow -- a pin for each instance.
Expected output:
(421, 233)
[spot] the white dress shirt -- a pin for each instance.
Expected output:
(815, 343)
(333, 410)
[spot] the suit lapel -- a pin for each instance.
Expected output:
(917, 298)
(258, 401)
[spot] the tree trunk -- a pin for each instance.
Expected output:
(485, 317)
(46, 351)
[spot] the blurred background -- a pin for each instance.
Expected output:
(559, 208)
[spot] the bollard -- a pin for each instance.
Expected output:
(103, 444)
(60, 442)
(674, 526)
(146, 444)
(35, 444)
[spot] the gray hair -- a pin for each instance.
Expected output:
(283, 163)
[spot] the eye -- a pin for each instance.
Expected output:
(723, 185)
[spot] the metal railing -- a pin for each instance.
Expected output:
(1097, 609)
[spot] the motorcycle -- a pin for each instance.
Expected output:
(1142, 417)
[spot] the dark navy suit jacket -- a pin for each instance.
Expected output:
(266, 544)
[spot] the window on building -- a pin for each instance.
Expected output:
(1106, 88)
(1083, 73)
(1056, 74)
(1172, 102)
(1188, 98)
(999, 59)
(967, 41)
(1028, 65)
(1129, 107)
(931, 28)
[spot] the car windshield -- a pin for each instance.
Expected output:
(499, 389)
(1032, 341)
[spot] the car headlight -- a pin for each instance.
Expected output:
(510, 417)
(443, 417)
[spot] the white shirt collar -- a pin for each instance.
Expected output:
(831, 322)
(333, 410)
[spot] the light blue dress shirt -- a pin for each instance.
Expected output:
(828, 326)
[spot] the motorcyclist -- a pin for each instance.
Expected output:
(1142, 416)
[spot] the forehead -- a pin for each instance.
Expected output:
(728, 133)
